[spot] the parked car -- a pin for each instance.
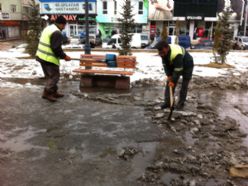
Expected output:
(182, 40)
(113, 42)
(105, 42)
(66, 40)
(139, 40)
(92, 39)
(240, 43)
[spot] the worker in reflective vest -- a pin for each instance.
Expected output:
(176, 62)
(49, 53)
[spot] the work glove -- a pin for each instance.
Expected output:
(171, 84)
(169, 78)
(67, 58)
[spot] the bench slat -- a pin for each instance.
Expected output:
(92, 64)
(90, 71)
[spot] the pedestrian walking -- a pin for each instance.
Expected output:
(49, 53)
(177, 62)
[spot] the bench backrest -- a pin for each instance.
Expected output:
(92, 60)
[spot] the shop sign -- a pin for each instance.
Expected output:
(194, 17)
(10, 23)
(5, 15)
(72, 17)
(66, 8)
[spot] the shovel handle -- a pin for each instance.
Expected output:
(76, 59)
(171, 97)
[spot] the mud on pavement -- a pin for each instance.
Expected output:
(130, 141)
(203, 141)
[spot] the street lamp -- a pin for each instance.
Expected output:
(87, 48)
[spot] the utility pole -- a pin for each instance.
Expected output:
(245, 22)
(87, 49)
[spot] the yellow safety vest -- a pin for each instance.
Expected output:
(44, 50)
(175, 50)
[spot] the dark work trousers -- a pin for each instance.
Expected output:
(186, 75)
(52, 74)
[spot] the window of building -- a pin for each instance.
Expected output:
(0, 7)
(25, 10)
(13, 8)
(105, 7)
(140, 7)
(115, 7)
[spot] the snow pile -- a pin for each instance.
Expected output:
(149, 65)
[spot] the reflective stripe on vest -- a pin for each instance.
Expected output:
(44, 51)
(175, 50)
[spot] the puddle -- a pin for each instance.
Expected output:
(143, 159)
(235, 106)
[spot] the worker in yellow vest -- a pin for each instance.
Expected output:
(176, 62)
(49, 53)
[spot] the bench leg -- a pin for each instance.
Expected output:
(86, 81)
(122, 83)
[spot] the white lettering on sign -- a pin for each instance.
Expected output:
(66, 8)
(5, 15)
(67, 17)
(194, 17)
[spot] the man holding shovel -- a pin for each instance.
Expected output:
(49, 53)
(177, 62)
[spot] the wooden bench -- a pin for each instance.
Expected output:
(95, 72)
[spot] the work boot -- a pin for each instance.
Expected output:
(180, 105)
(48, 96)
(58, 95)
(165, 105)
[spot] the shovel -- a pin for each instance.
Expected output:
(171, 103)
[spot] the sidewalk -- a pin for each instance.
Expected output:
(8, 44)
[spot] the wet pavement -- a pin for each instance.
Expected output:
(106, 137)
(71, 142)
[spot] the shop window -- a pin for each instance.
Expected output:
(140, 7)
(13, 8)
(105, 7)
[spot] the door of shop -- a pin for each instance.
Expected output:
(73, 30)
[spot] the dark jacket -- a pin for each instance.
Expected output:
(181, 61)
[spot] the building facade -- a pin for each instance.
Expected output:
(151, 16)
(14, 16)
(194, 18)
(10, 19)
(108, 12)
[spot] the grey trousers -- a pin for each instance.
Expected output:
(186, 75)
(52, 74)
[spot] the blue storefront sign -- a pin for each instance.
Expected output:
(66, 6)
